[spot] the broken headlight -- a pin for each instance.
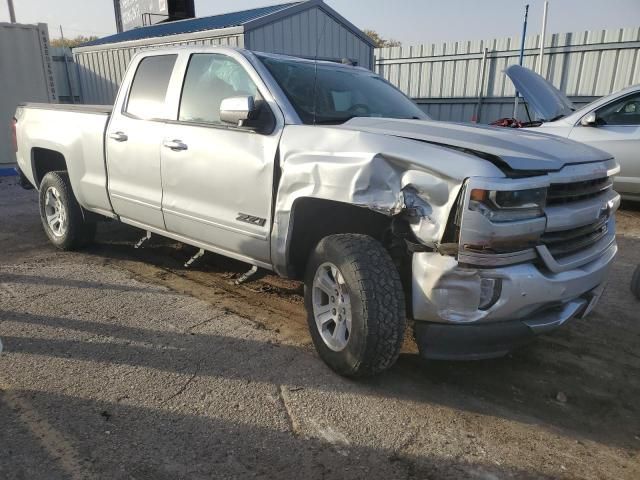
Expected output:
(509, 205)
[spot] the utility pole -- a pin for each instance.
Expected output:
(524, 34)
(118, 14)
(542, 35)
(66, 67)
(480, 89)
(12, 11)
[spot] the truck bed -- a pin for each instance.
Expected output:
(66, 137)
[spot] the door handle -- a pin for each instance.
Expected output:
(118, 136)
(175, 145)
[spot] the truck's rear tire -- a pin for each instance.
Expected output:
(355, 305)
(635, 282)
(61, 214)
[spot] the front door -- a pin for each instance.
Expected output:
(217, 178)
(617, 131)
(133, 139)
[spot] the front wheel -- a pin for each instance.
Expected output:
(355, 305)
(61, 214)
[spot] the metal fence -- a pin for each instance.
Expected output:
(446, 79)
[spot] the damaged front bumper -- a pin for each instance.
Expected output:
(474, 313)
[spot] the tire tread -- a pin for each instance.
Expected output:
(382, 296)
(80, 232)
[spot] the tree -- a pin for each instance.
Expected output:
(382, 42)
(72, 42)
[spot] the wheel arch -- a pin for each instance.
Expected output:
(45, 160)
(313, 218)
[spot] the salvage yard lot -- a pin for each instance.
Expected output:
(121, 363)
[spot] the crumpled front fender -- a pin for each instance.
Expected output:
(386, 174)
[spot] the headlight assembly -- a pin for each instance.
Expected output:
(509, 205)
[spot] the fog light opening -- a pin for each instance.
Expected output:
(490, 290)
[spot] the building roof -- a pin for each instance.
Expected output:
(225, 20)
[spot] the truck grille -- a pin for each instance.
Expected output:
(562, 193)
(570, 241)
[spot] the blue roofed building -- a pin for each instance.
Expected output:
(307, 28)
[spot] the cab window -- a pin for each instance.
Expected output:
(149, 88)
(210, 78)
(333, 94)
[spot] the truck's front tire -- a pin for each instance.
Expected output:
(355, 305)
(61, 214)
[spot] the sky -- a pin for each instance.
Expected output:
(410, 21)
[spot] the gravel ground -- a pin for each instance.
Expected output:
(120, 363)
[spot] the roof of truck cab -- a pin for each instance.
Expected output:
(243, 18)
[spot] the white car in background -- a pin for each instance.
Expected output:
(611, 123)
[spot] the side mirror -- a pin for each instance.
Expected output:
(237, 110)
(589, 120)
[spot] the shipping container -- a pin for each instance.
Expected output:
(26, 75)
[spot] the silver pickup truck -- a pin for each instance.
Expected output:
(326, 173)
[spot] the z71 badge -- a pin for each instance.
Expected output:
(243, 217)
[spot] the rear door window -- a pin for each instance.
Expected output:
(149, 88)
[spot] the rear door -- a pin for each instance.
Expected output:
(617, 131)
(217, 179)
(133, 142)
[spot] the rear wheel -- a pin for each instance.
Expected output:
(355, 305)
(61, 214)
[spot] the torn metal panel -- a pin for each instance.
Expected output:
(385, 174)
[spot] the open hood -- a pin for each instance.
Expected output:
(548, 102)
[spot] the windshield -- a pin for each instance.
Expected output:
(341, 93)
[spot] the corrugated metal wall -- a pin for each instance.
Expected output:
(26, 75)
(311, 33)
(444, 77)
(101, 71)
(66, 75)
